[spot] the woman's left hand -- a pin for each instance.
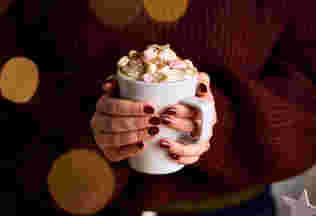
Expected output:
(187, 119)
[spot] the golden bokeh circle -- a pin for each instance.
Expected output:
(116, 13)
(166, 10)
(4, 5)
(19, 79)
(81, 182)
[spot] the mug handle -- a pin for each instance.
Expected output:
(206, 112)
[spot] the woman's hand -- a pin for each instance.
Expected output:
(187, 119)
(120, 126)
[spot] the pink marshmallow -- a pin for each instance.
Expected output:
(149, 54)
(147, 78)
(177, 64)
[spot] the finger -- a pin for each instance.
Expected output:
(125, 138)
(180, 124)
(185, 160)
(121, 153)
(122, 107)
(184, 150)
(110, 124)
(180, 111)
(208, 97)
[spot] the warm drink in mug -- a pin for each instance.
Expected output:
(169, 82)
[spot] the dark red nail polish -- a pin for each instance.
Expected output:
(153, 131)
(140, 144)
(149, 109)
(165, 121)
(203, 88)
(155, 121)
(174, 156)
(164, 146)
(170, 112)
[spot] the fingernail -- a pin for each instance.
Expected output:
(153, 131)
(164, 144)
(203, 88)
(170, 111)
(109, 81)
(165, 120)
(106, 85)
(149, 109)
(155, 121)
(174, 156)
(140, 144)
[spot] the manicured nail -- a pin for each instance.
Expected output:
(155, 121)
(149, 109)
(106, 86)
(140, 144)
(174, 156)
(153, 131)
(164, 144)
(165, 120)
(170, 111)
(203, 88)
(108, 83)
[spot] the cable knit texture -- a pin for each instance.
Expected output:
(261, 57)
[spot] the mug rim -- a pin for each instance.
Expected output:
(177, 82)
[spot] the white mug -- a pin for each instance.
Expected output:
(154, 159)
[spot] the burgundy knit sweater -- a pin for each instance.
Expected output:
(261, 58)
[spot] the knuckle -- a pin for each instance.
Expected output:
(111, 156)
(108, 155)
(180, 151)
(99, 144)
(145, 121)
(116, 159)
(196, 159)
(141, 135)
(204, 76)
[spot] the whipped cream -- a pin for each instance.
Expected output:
(156, 64)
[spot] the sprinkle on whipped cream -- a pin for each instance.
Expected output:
(156, 64)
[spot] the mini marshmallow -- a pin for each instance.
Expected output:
(167, 55)
(150, 54)
(177, 64)
(147, 78)
(123, 61)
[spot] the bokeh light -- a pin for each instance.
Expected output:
(116, 13)
(4, 5)
(19, 79)
(81, 182)
(166, 10)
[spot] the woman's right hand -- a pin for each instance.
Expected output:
(120, 126)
